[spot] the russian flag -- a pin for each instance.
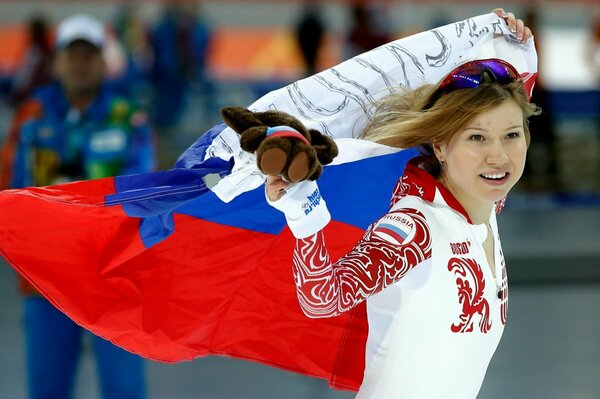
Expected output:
(192, 261)
(391, 232)
(159, 265)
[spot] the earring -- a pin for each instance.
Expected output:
(442, 163)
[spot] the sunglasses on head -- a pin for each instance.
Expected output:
(471, 74)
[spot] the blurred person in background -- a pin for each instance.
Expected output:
(75, 128)
(35, 68)
(133, 34)
(309, 34)
(180, 43)
(594, 46)
(594, 57)
(366, 32)
(541, 167)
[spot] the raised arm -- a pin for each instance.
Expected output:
(390, 248)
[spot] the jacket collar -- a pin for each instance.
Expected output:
(418, 182)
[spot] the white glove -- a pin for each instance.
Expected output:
(305, 211)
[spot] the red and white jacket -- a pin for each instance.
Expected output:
(436, 311)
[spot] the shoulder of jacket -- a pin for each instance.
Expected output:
(125, 110)
(412, 202)
(434, 215)
(402, 225)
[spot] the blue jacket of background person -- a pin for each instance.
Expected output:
(58, 143)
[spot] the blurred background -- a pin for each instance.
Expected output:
(182, 61)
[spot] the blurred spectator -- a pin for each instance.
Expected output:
(309, 34)
(35, 67)
(594, 47)
(594, 57)
(180, 42)
(73, 129)
(133, 34)
(365, 32)
(541, 167)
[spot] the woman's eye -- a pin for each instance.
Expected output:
(476, 137)
(513, 135)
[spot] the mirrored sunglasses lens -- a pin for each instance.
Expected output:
(469, 75)
(502, 72)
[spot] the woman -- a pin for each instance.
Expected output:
(434, 260)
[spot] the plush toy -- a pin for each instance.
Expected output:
(283, 145)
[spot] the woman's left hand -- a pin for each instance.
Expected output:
(275, 187)
(516, 26)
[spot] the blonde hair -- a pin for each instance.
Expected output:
(407, 119)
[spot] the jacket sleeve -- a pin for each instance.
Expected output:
(391, 247)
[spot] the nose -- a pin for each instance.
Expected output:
(497, 154)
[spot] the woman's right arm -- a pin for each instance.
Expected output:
(390, 248)
(327, 288)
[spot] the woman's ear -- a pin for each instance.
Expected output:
(439, 150)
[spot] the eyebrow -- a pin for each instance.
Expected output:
(485, 130)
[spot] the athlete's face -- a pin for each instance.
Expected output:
(483, 161)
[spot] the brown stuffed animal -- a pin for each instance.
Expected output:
(283, 145)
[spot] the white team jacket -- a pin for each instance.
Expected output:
(436, 310)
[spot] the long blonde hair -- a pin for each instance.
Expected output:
(406, 119)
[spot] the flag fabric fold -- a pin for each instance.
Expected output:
(183, 263)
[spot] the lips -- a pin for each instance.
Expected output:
(497, 178)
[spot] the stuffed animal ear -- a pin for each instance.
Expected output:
(239, 119)
(324, 146)
(250, 139)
